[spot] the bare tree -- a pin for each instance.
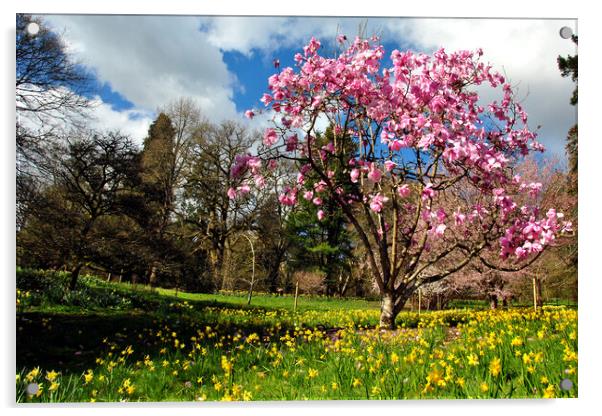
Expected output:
(212, 216)
(93, 171)
(51, 87)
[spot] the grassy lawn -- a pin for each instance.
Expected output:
(115, 342)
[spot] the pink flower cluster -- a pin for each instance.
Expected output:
(420, 104)
(530, 235)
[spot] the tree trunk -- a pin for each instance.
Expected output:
(74, 276)
(493, 302)
(387, 311)
(152, 278)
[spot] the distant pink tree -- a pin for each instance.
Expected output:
(421, 142)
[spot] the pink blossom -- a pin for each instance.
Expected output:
(377, 202)
(441, 215)
(288, 197)
(232, 193)
(249, 114)
(259, 181)
(291, 143)
(317, 201)
(403, 190)
(459, 218)
(440, 229)
(374, 175)
(266, 99)
(320, 186)
(428, 192)
(416, 101)
(272, 164)
(270, 137)
(320, 215)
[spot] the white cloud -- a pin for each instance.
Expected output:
(133, 123)
(152, 60)
(267, 34)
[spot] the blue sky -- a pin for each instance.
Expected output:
(141, 63)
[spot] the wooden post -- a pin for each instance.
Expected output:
(534, 294)
(296, 295)
(250, 295)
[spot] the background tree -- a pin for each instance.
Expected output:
(158, 181)
(51, 89)
(211, 216)
(569, 67)
(93, 171)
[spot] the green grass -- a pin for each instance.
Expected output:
(135, 344)
(269, 301)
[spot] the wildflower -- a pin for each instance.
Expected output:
(356, 382)
(435, 378)
(226, 365)
(484, 387)
(516, 342)
(88, 376)
(32, 374)
(549, 392)
(473, 360)
(495, 367)
(51, 375)
(54, 386)
(312, 373)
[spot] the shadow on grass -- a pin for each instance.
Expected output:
(72, 341)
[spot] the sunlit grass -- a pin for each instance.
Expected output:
(488, 354)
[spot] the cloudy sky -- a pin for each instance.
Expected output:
(143, 62)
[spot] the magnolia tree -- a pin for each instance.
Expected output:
(409, 141)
